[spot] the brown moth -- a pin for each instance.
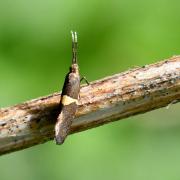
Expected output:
(69, 97)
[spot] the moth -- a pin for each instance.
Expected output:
(69, 97)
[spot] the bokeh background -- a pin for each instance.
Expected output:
(35, 53)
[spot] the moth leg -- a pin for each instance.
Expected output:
(84, 78)
(87, 82)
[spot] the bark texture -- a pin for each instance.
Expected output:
(113, 98)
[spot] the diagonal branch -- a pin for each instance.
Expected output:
(116, 97)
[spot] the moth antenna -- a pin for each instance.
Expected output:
(74, 47)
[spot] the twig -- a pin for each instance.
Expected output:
(119, 96)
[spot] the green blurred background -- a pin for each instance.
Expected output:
(35, 53)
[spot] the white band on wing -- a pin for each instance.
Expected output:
(66, 100)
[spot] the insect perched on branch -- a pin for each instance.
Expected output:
(69, 97)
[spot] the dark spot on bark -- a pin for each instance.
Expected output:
(10, 130)
(12, 120)
(3, 124)
(144, 96)
(30, 126)
(152, 85)
(38, 120)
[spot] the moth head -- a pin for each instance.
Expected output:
(74, 68)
